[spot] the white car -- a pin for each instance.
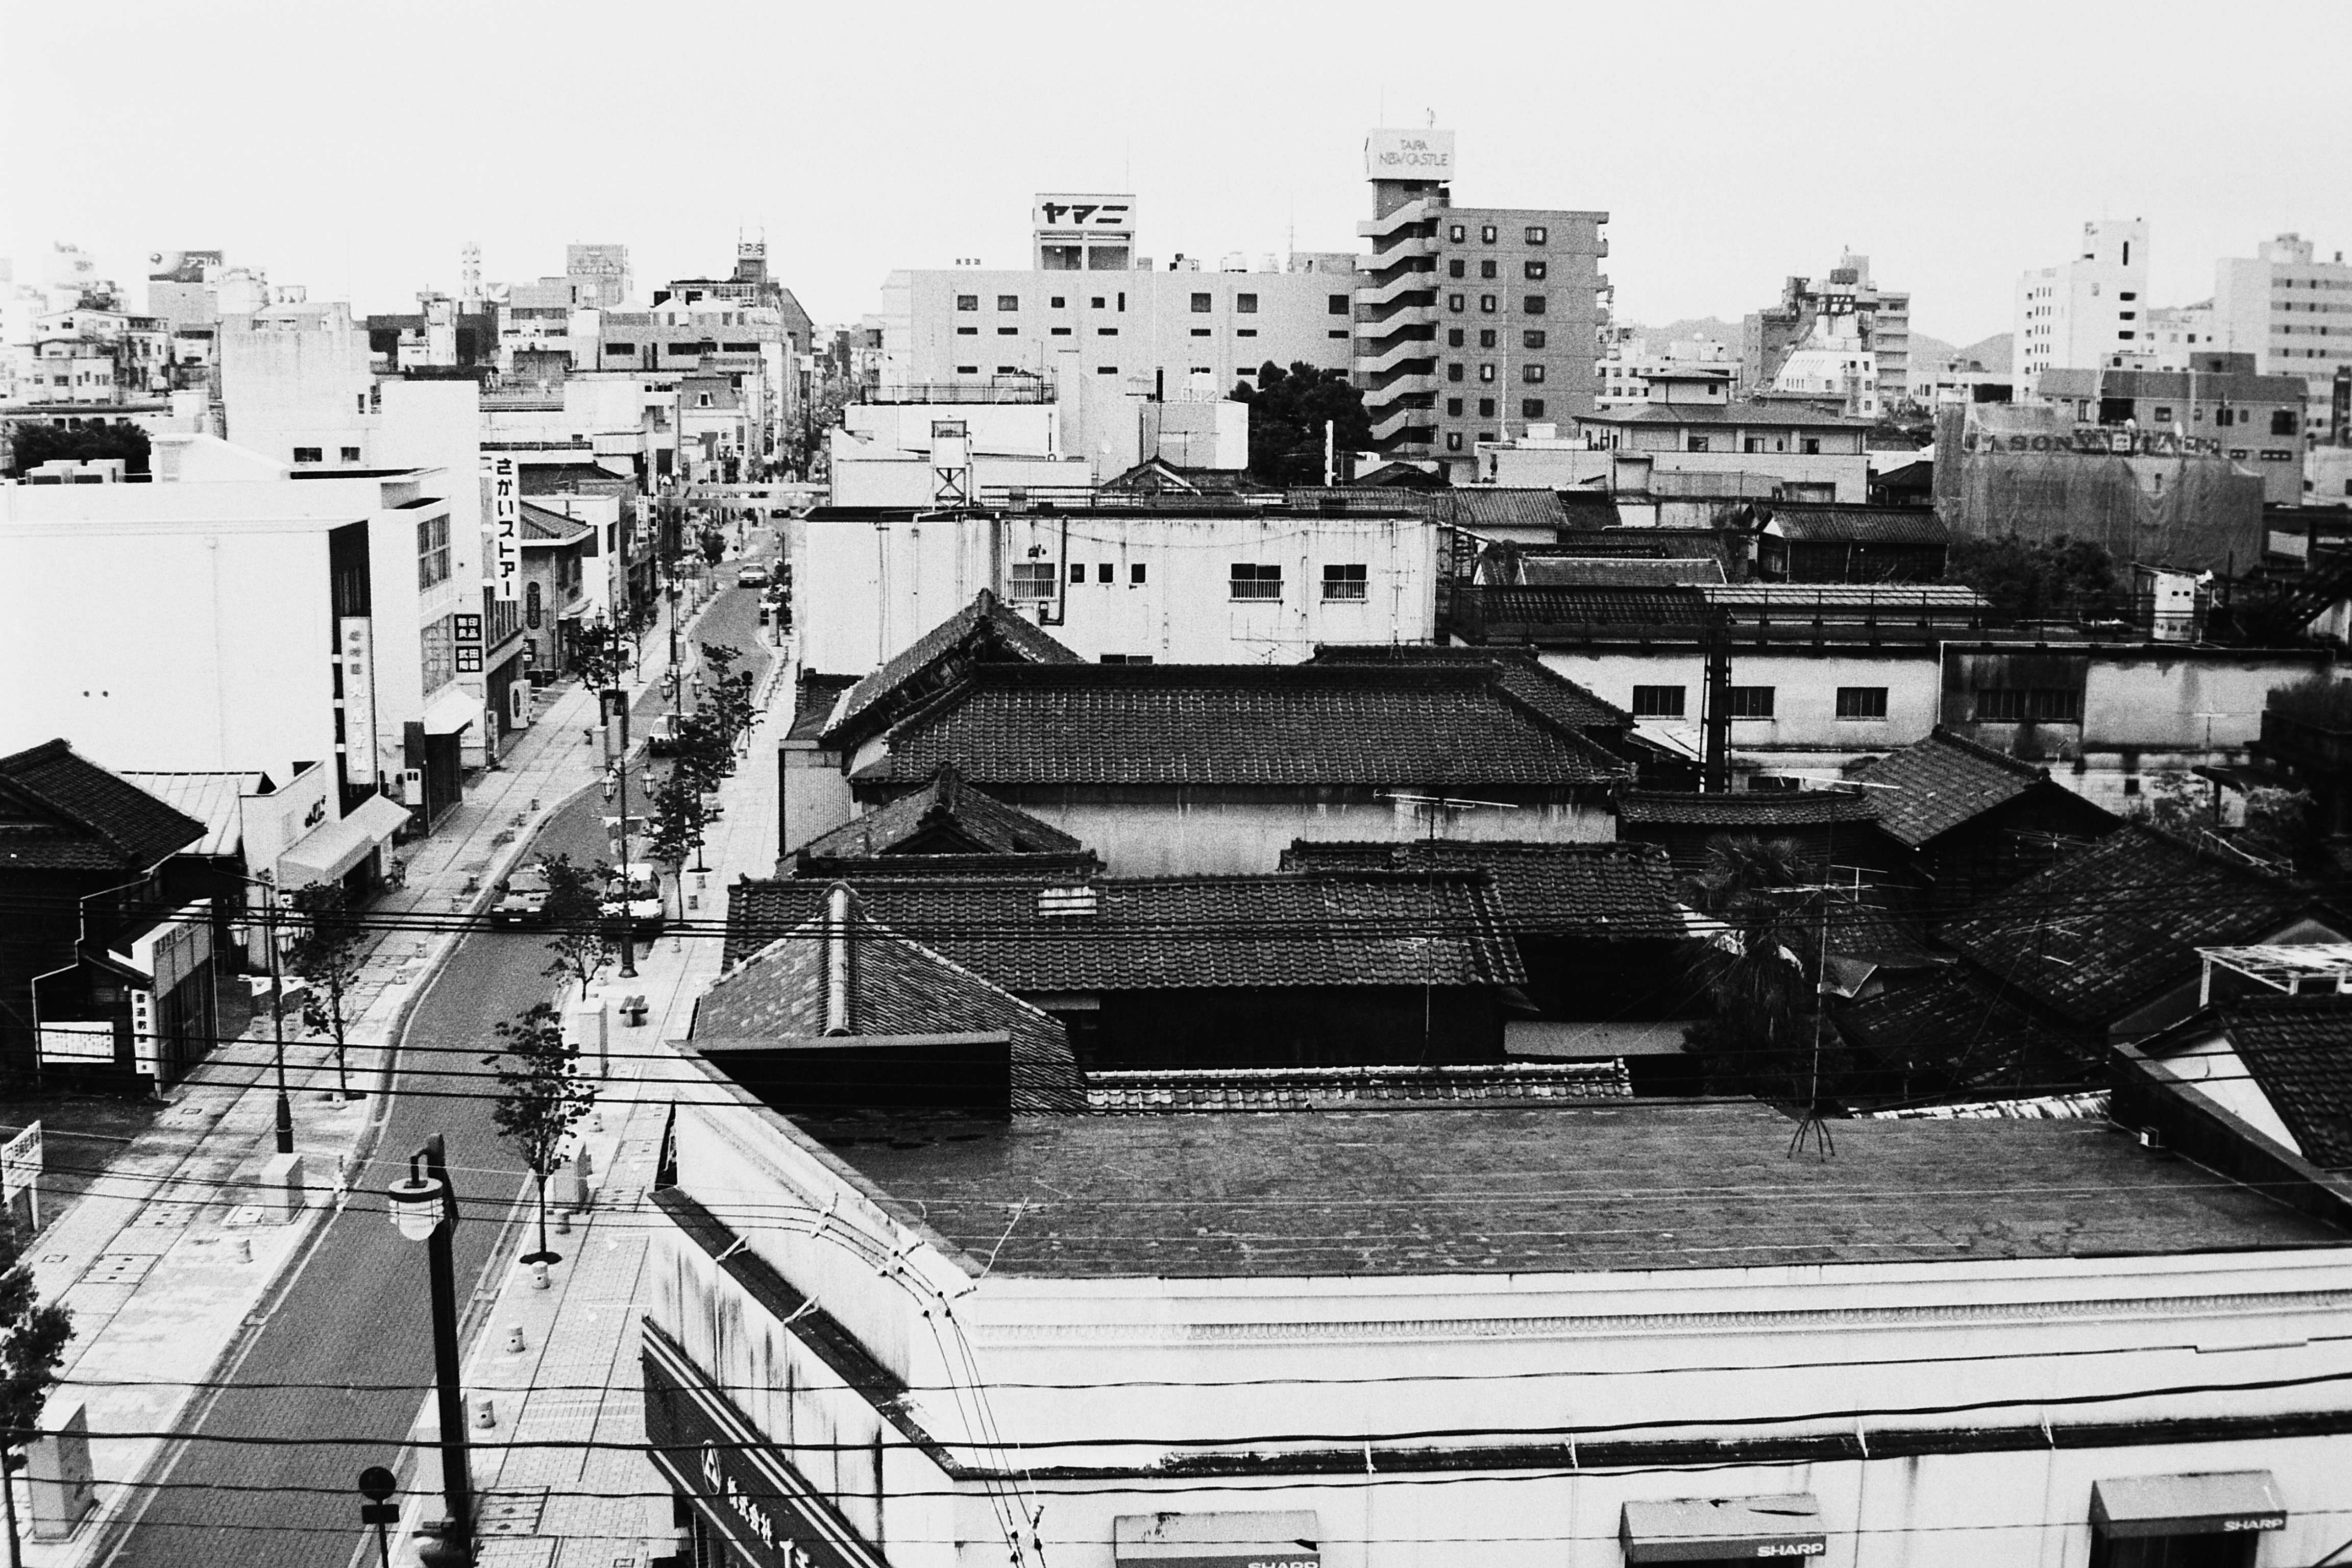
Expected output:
(633, 896)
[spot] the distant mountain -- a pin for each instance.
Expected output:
(1992, 353)
(1929, 352)
(1715, 327)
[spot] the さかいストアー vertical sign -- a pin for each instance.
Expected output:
(506, 526)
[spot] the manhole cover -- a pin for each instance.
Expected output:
(118, 1268)
(512, 1513)
(244, 1213)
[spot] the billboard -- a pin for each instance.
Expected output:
(506, 526)
(1078, 214)
(1409, 155)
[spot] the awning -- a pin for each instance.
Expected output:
(337, 846)
(2206, 1502)
(452, 709)
(1242, 1539)
(1693, 1530)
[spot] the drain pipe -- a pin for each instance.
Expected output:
(836, 960)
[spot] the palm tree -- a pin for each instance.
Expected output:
(1762, 1036)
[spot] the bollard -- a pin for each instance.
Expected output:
(244, 1250)
(563, 1222)
(539, 1275)
(514, 1338)
(487, 1415)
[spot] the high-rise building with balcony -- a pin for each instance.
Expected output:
(1472, 323)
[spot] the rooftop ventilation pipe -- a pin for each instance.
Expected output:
(836, 960)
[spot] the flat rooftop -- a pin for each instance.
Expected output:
(1566, 1190)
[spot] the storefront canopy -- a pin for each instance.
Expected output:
(1698, 1530)
(1231, 1540)
(2206, 1502)
(452, 709)
(335, 847)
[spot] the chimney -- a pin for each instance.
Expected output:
(836, 960)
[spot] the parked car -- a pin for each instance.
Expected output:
(752, 577)
(522, 898)
(666, 741)
(633, 900)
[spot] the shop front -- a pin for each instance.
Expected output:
(1700, 1531)
(2209, 1519)
(348, 851)
(741, 1502)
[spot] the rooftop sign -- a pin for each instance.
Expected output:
(1409, 155)
(1066, 212)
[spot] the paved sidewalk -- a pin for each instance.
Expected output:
(174, 1250)
(576, 1379)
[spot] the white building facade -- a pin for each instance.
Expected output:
(2290, 308)
(2088, 312)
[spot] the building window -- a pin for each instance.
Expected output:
(1200, 304)
(437, 653)
(351, 454)
(1453, 408)
(1136, 575)
(1458, 268)
(1453, 372)
(308, 454)
(1244, 332)
(1343, 582)
(1749, 701)
(2283, 422)
(1486, 338)
(967, 331)
(1809, 446)
(967, 370)
(1106, 370)
(2163, 415)
(1538, 234)
(2027, 705)
(1657, 703)
(1486, 373)
(1531, 407)
(1339, 305)
(1533, 304)
(1534, 271)
(1095, 303)
(1105, 572)
(1862, 703)
(967, 302)
(1245, 304)
(1486, 268)
(1694, 444)
(1486, 304)
(1106, 332)
(1065, 332)
(1532, 338)
(1031, 580)
(1453, 302)
(1078, 571)
(1485, 408)
(1531, 374)
(1453, 337)
(1008, 332)
(1456, 233)
(1453, 441)
(432, 551)
(1250, 581)
(1008, 302)
(1486, 233)
(1059, 301)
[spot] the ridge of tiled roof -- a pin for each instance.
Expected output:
(2118, 920)
(1179, 1089)
(1415, 726)
(986, 618)
(1282, 929)
(2299, 1050)
(989, 822)
(1619, 571)
(1955, 1025)
(1844, 521)
(1525, 676)
(1614, 891)
(69, 814)
(1941, 781)
(1746, 809)
(898, 986)
(545, 525)
(814, 699)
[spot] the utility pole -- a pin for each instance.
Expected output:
(619, 700)
(1715, 644)
(277, 1030)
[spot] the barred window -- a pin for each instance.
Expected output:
(1862, 703)
(1344, 583)
(2027, 705)
(1031, 580)
(1750, 701)
(432, 551)
(1657, 701)
(1253, 580)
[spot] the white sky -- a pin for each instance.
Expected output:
(355, 147)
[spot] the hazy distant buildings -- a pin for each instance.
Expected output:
(2089, 312)
(1843, 337)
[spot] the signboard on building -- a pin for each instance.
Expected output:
(465, 634)
(20, 1177)
(1409, 155)
(1076, 213)
(506, 525)
(70, 1044)
(355, 646)
(741, 1484)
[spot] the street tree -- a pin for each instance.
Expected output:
(329, 946)
(714, 546)
(730, 690)
(575, 915)
(33, 1339)
(541, 1096)
(1762, 1033)
(2029, 580)
(1288, 412)
(677, 822)
(601, 654)
(34, 444)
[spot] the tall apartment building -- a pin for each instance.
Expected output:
(2091, 312)
(2292, 311)
(1471, 322)
(1843, 323)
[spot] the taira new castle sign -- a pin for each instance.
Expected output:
(1409, 155)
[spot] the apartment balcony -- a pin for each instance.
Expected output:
(1411, 213)
(1397, 354)
(1406, 288)
(1391, 422)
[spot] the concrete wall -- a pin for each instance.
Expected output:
(1566, 466)
(1804, 733)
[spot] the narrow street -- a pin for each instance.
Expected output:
(297, 1420)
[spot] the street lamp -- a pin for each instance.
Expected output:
(424, 1208)
(620, 702)
(276, 1017)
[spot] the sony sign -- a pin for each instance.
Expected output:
(1409, 155)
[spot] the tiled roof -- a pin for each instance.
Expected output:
(2299, 1050)
(1677, 611)
(1607, 891)
(1631, 543)
(814, 700)
(1886, 600)
(1951, 1028)
(1588, 510)
(1525, 676)
(1159, 933)
(982, 630)
(542, 526)
(897, 987)
(1601, 572)
(214, 799)
(946, 811)
(1333, 1089)
(61, 812)
(1733, 415)
(1858, 524)
(1567, 1188)
(1940, 782)
(1481, 507)
(1746, 811)
(2109, 924)
(1293, 725)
